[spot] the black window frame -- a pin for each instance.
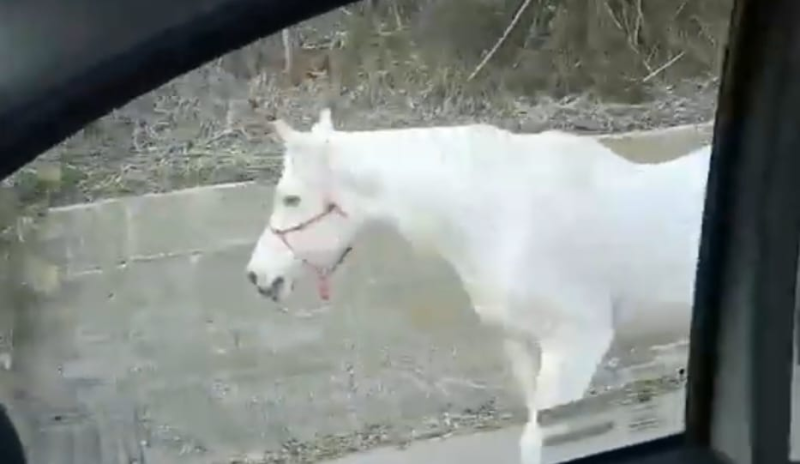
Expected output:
(741, 343)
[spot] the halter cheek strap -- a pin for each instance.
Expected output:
(323, 274)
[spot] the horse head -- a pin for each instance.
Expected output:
(309, 229)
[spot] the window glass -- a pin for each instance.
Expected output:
(495, 225)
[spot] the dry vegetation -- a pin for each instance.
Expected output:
(582, 65)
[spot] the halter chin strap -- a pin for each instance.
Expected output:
(323, 274)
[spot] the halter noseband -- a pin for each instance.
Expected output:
(322, 273)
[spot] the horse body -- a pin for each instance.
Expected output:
(557, 240)
(526, 215)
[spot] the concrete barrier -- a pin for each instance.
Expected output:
(659, 145)
(153, 320)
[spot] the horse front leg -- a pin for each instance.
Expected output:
(524, 360)
(569, 360)
(557, 370)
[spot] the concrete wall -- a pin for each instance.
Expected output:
(659, 145)
(152, 334)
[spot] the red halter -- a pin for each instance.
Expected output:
(323, 284)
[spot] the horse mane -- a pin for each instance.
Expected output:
(458, 148)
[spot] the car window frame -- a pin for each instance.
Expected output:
(742, 333)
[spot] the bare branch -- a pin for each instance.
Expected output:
(288, 53)
(639, 19)
(614, 17)
(500, 41)
(664, 66)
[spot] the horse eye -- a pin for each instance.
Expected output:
(291, 201)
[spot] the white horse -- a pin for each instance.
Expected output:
(558, 241)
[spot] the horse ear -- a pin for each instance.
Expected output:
(325, 123)
(283, 129)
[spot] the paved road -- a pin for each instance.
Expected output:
(662, 416)
(621, 427)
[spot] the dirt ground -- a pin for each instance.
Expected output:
(638, 395)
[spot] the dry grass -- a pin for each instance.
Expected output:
(622, 49)
(570, 64)
(615, 50)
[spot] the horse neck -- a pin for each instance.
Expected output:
(398, 178)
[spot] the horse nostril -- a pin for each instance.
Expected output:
(277, 286)
(251, 276)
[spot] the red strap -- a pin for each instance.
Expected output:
(323, 280)
(324, 287)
